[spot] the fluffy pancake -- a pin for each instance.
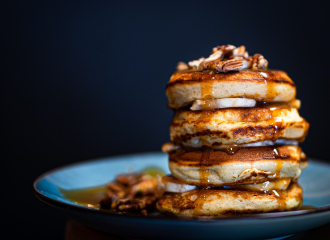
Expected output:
(262, 85)
(213, 128)
(212, 202)
(247, 165)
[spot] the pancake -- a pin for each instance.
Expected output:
(247, 165)
(219, 203)
(213, 128)
(262, 85)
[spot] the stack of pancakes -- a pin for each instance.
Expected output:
(234, 137)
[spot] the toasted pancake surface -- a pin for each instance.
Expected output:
(212, 202)
(213, 128)
(262, 85)
(247, 165)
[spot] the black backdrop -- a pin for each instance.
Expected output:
(86, 79)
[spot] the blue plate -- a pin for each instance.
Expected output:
(314, 181)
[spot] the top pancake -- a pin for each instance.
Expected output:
(185, 87)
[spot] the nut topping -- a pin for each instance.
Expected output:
(226, 58)
(240, 51)
(258, 61)
(226, 49)
(132, 192)
(229, 65)
(181, 66)
(197, 64)
(214, 56)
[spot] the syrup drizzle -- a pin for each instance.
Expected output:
(276, 121)
(280, 199)
(278, 163)
(204, 173)
(270, 88)
(207, 90)
(89, 197)
(231, 150)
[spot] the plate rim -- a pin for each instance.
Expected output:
(57, 203)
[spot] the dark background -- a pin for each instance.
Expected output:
(86, 79)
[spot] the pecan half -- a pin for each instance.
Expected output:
(229, 65)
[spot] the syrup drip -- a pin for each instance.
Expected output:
(277, 122)
(278, 163)
(270, 88)
(207, 90)
(207, 103)
(204, 173)
(278, 168)
(232, 149)
(280, 199)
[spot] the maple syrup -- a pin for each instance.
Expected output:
(88, 197)
(306, 207)
(204, 173)
(231, 150)
(280, 200)
(207, 90)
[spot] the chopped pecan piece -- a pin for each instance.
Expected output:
(211, 64)
(129, 179)
(258, 61)
(181, 66)
(132, 192)
(225, 49)
(241, 51)
(229, 65)
(197, 65)
(217, 55)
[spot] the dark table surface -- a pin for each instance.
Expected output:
(77, 231)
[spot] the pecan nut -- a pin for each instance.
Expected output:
(258, 61)
(241, 51)
(217, 55)
(229, 65)
(225, 49)
(197, 65)
(181, 66)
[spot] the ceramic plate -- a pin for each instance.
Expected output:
(314, 180)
